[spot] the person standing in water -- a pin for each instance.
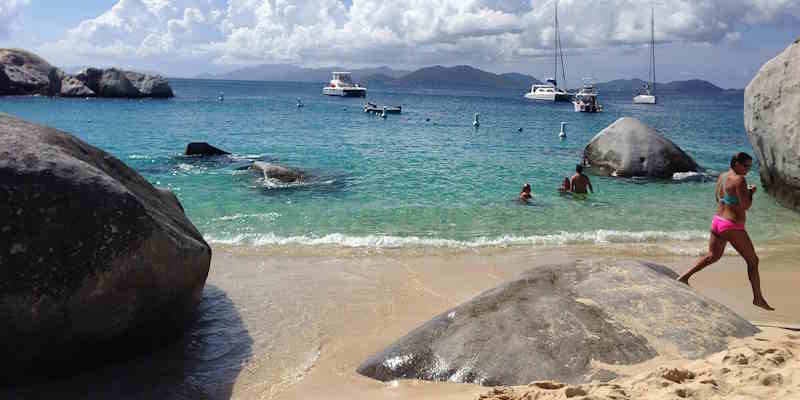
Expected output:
(734, 197)
(580, 182)
(525, 193)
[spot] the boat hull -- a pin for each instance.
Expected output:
(344, 92)
(645, 99)
(548, 96)
(587, 108)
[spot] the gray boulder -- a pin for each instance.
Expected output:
(150, 85)
(552, 322)
(73, 87)
(279, 172)
(203, 149)
(629, 148)
(772, 121)
(23, 73)
(94, 260)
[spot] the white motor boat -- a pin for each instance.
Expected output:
(586, 98)
(549, 91)
(648, 93)
(342, 85)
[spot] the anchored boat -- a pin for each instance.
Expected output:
(342, 85)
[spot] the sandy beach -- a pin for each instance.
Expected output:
(314, 318)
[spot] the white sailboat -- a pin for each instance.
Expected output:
(648, 93)
(550, 91)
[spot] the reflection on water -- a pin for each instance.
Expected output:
(202, 365)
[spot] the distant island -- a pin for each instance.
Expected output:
(441, 76)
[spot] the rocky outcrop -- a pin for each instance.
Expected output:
(24, 73)
(203, 149)
(279, 172)
(92, 256)
(559, 323)
(772, 121)
(629, 148)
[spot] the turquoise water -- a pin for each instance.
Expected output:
(406, 181)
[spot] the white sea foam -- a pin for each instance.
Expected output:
(599, 237)
(270, 216)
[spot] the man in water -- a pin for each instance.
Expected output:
(525, 193)
(580, 182)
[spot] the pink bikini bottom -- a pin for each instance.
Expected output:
(719, 225)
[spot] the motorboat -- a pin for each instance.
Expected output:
(550, 91)
(647, 95)
(342, 85)
(586, 98)
(376, 109)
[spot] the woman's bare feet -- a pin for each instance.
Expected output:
(763, 304)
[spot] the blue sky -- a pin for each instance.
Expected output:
(724, 42)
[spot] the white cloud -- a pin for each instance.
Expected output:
(9, 11)
(316, 32)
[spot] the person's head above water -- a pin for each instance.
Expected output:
(526, 188)
(741, 163)
(579, 168)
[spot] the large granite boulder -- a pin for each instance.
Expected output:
(279, 172)
(22, 72)
(629, 148)
(772, 121)
(559, 323)
(94, 260)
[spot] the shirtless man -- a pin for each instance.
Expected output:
(580, 182)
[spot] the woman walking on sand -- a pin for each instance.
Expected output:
(734, 197)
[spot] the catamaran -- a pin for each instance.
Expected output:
(648, 93)
(342, 85)
(550, 91)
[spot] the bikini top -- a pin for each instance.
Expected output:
(728, 199)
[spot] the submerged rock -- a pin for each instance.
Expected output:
(94, 260)
(279, 172)
(772, 121)
(554, 321)
(203, 149)
(629, 148)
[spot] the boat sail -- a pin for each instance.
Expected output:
(550, 90)
(648, 93)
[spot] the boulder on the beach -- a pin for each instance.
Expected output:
(279, 172)
(560, 322)
(94, 260)
(630, 148)
(203, 149)
(772, 121)
(22, 72)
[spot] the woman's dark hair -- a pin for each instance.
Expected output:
(578, 168)
(741, 158)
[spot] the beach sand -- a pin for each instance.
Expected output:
(313, 318)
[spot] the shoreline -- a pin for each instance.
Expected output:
(344, 306)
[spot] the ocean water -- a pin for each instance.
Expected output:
(423, 179)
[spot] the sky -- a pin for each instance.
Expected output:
(722, 41)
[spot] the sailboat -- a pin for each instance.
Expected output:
(648, 93)
(550, 91)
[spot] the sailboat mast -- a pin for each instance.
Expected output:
(555, 44)
(653, 47)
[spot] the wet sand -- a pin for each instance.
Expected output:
(313, 319)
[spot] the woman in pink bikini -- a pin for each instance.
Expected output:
(734, 197)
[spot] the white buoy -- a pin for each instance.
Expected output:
(383, 113)
(563, 133)
(476, 123)
(221, 96)
(299, 103)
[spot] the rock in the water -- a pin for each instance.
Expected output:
(73, 87)
(279, 172)
(772, 121)
(552, 322)
(629, 148)
(22, 72)
(94, 260)
(150, 85)
(203, 149)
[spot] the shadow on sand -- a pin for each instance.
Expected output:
(203, 364)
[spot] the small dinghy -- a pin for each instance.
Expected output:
(376, 109)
